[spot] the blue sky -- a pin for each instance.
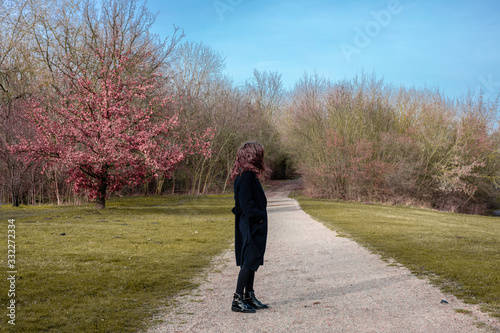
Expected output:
(453, 45)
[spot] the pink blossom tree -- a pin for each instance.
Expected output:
(108, 127)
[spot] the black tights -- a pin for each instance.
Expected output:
(245, 280)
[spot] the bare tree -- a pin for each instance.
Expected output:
(197, 73)
(66, 39)
(267, 96)
(197, 79)
(17, 76)
(266, 91)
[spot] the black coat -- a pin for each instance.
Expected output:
(250, 221)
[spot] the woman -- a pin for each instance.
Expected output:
(250, 224)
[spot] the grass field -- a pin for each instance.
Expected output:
(459, 253)
(86, 270)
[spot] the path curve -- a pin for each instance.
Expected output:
(314, 281)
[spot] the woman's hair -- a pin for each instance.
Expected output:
(250, 157)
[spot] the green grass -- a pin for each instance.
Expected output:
(83, 270)
(459, 253)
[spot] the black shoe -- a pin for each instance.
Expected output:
(251, 300)
(239, 305)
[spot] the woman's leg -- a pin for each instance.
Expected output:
(249, 284)
(239, 304)
(244, 277)
(250, 298)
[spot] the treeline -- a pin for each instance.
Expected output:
(363, 140)
(358, 139)
(60, 58)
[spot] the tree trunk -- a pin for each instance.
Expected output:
(15, 189)
(173, 184)
(56, 187)
(101, 196)
(15, 200)
(159, 184)
(100, 203)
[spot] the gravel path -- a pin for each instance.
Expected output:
(314, 281)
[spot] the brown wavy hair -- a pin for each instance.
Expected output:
(250, 157)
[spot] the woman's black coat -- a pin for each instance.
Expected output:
(250, 221)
